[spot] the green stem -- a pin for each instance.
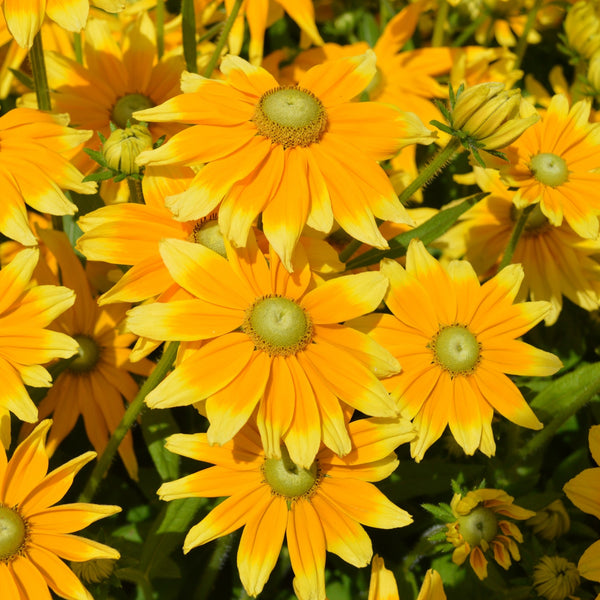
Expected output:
(135, 191)
(131, 414)
(470, 30)
(223, 38)
(78, 47)
(215, 564)
(188, 33)
(210, 32)
(40, 79)
(440, 24)
(160, 28)
(435, 165)
(515, 237)
(522, 43)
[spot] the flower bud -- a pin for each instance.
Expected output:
(95, 570)
(123, 146)
(550, 522)
(492, 116)
(555, 578)
(582, 26)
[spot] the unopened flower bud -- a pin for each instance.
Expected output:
(123, 146)
(492, 116)
(550, 522)
(555, 578)
(94, 571)
(582, 26)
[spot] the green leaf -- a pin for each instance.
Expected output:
(25, 79)
(157, 425)
(368, 29)
(427, 233)
(441, 512)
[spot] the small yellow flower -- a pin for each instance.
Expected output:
(555, 578)
(551, 522)
(477, 529)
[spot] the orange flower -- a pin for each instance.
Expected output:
(35, 535)
(318, 508)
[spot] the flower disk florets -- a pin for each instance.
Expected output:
(290, 116)
(13, 533)
(278, 326)
(549, 169)
(289, 480)
(88, 354)
(456, 349)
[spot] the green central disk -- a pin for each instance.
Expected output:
(456, 349)
(291, 107)
(12, 532)
(279, 322)
(89, 353)
(480, 524)
(549, 169)
(288, 479)
(126, 106)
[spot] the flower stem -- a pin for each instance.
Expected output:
(469, 30)
(135, 191)
(78, 47)
(215, 564)
(131, 414)
(188, 33)
(40, 79)
(514, 237)
(435, 165)
(223, 38)
(440, 23)
(160, 28)
(522, 43)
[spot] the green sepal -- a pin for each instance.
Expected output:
(442, 512)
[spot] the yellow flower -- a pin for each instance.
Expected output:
(34, 534)
(24, 19)
(298, 155)
(551, 522)
(100, 373)
(383, 584)
(455, 340)
(272, 342)
(555, 578)
(555, 163)
(477, 529)
(584, 492)
(25, 343)
(36, 148)
(317, 508)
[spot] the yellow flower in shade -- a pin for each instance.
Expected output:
(555, 578)
(478, 529)
(34, 534)
(25, 343)
(383, 585)
(273, 343)
(298, 155)
(116, 79)
(555, 163)
(317, 508)
(36, 148)
(455, 340)
(551, 522)
(95, 383)
(556, 261)
(583, 491)
(24, 19)
(582, 28)
(506, 18)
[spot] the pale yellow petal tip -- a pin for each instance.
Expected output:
(231, 62)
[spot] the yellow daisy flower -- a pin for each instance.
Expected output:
(36, 148)
(455, 340)
(477, 529)
(24, 19)
(298, 155)
(34, 534)
(383, 585)
(554, 162)
(25, 343)
(584, 492)
(273, 343)
(318, 508)
(556, 261)
(95, 383)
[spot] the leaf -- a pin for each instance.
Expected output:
(157, 425)
(427, 233)
(368, 29)
(441, 512)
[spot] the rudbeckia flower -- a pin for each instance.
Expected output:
(35, 534)
(477, 529)
(555, 163)
(455, 340)
(25, 343)
(271, 342)
(299, 155)
(36, 152)
(556, 261)
(317, 508)
(96, 381)
(582, 491)
(24, 19)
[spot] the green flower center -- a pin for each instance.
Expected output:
(287, 479)
(88, 354)
(13, 533)
(456, 349)
(549, 169)
(126, 106)
(536, 220)
(290, 116)
(207, 232)
(480, 524)
(278, 326)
